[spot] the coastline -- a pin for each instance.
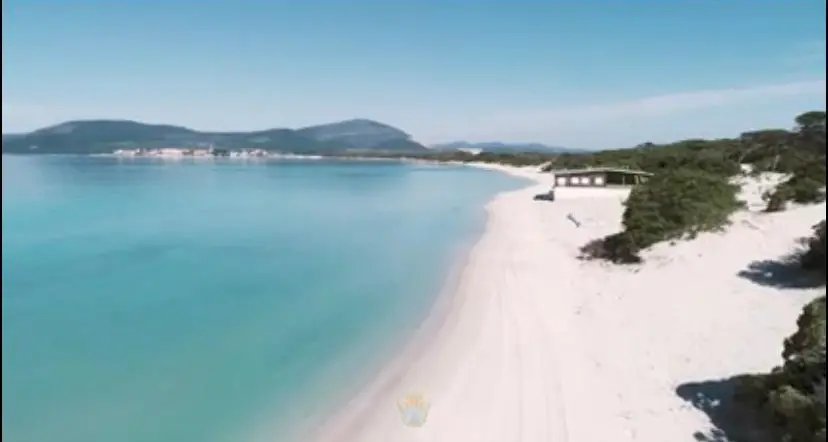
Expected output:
(351, 416)
(526, 343)
(529, 344)
(328, 420)
(347, 410)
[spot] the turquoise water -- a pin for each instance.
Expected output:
(151, 301)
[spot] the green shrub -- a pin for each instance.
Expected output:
(617, 248)
(814, 256)
(804, 187)
(778, 199)
(793, 395)
(669, 206)
(677, 204)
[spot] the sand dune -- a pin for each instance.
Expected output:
(534, 345)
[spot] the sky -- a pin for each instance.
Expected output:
(588, 74)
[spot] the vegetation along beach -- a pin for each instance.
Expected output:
(687, 307)
(308, 221)
(662, 315)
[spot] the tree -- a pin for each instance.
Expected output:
(762, 144)
(812, 123)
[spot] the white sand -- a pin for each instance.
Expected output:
(537, 346)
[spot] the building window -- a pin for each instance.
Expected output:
(598, 181)
(561, 181)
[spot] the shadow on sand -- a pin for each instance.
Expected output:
(785, 273)
(732, 421)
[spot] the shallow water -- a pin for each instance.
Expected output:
(154, 301)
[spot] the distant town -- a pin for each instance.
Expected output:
(181, 152)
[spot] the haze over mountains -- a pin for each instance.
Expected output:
(106, 136)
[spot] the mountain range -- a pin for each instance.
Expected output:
(501, 147)
(106, 136)
(350, 136)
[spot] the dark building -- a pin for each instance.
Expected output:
(599, 177)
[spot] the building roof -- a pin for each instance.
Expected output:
(564, 172)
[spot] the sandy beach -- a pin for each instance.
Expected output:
(534, 345)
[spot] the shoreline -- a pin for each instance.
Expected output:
(371, 385)
(531, 344)
(354, 413)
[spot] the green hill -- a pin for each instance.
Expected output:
(106, 136)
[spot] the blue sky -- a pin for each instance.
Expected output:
(586, 74)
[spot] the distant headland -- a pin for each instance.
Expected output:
(360, 137)
(111, 136)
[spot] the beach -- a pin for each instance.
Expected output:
(530, 344)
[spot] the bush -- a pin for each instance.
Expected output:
(675, 204)
(806, 190)
(778, 199)
(806, 186)
(617, 248)
(793, 396)
(814, 256)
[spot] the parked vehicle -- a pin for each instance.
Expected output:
(548, 196)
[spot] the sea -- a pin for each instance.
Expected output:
(201, 300)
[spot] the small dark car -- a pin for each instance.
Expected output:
(548, 196)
